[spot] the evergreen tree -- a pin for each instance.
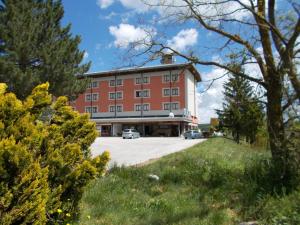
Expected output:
(35, 48)
(241, 113)
(44, 163)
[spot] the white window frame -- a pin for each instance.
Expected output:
(177, 77)
(91, 84)
(120, 105)
(137, 105)
(175, 89)
(109, 95)
(165, 103)
(170, 77)
(142, 80)
(163, 92)
(141, 107)
(164, 78)
(170, 105)
(175, 103)
(91, 107)
(148, 90)
(117, 95)
(146, 104)
(109, 83)
(119, 85)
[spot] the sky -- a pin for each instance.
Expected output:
(107, 27)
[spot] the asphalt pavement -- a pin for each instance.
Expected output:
(136, 151)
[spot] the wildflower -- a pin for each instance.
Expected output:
(59, 210)
(89, 217)
(68, 215)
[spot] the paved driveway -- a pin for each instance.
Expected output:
(134, 151)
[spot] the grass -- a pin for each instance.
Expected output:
(215, 182)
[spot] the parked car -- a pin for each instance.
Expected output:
(130, 133)
(192, 134)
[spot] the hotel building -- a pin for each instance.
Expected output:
(155, 100)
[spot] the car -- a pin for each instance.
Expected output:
(130, 133)
(192, 134)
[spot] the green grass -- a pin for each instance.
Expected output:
(215, 182)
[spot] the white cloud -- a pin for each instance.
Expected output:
(184, 39)
(137, 5)
(103, 4)
(126, 34)
(85, 55)
(212, 98)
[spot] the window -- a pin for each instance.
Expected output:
(140, 94)
(95, 97)
(146, 80)
(113, 95)
(139, 80)
(166, 106)
(112, 108)
(91, 109)
(91, 97)
(93, 84)
(119, 82)
(175, 105)
(119, 95)
(88, 97)
(138, 108)
(175, 77)
(112, 83)
(119, 108)
(144, 107)
(166, 92)
(175, 91)
(167, 78)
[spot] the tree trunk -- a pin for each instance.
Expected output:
(276, 129)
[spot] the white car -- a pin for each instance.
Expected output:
(130, 133)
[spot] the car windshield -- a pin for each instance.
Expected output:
(126, 130)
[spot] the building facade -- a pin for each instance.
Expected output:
(157, 100)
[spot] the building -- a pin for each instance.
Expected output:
(156, 100)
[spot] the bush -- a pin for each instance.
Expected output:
(44, 158)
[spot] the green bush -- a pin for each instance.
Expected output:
(44, 158)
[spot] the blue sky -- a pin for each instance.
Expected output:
(108, 26)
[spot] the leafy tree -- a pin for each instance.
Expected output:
(241, 113)
(256, 33)
(44, 161)
(35, 48)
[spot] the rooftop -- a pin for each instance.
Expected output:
(163, 67)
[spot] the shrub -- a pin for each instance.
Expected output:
(44, 158)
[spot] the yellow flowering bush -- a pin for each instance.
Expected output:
(45, 158)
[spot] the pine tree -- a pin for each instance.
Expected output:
(35, 48)
(242, 112)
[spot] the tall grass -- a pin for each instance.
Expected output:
(216, 182)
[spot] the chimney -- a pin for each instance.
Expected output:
(167, 59)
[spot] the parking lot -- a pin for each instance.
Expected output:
(135, 151)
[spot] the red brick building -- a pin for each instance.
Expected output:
(156, 100)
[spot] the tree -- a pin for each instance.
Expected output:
(35, 48)
(44, 160)
(250, 33)
(242, 112)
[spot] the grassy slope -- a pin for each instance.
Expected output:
(215, 182)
